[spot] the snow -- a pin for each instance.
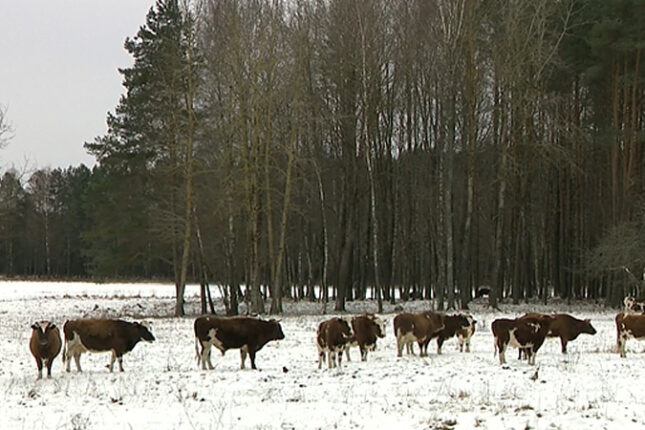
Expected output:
(591, 387)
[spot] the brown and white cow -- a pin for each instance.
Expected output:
(633, 305)
(523, 333)
(464, 335)
(247, 334)
(460, 325)
(101, 335)
(628, 326)
(366, 329)
(417, 327)
(566, 327)
(44, 345)
(332, 338)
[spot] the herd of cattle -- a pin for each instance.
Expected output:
(334, 337)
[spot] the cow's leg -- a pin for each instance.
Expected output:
(321, 357)
(621, 345)
(243, 352)
(340, 358)
(421, 350)
(331, 362)
(49, 363)
(399, 347)
(347, 353)
(120, 358)
(252, 357)
(531, 355)
(467, 342)
(563, 342)
(112, 360)
(77, 360)
(202, 356)
(208, 358)
(363, 352)
(66, 359)
(440, 341)
(502, 350)
(205, 356)
(39, 363)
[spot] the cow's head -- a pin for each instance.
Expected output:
(463, 322)
(276, 333)
(378, 325)
(345, 328)
(42, 329)
(587, 327)
(144, 333)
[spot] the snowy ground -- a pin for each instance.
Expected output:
(162, 388)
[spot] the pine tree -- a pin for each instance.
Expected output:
(148, 148)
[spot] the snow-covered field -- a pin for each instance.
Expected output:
(162, 388)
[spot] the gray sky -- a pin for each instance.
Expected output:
(58, 75)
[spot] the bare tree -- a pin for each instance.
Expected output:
(5, 127)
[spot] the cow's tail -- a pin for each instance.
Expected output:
(65, 350)
(198, 357)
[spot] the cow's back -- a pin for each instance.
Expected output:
(95, 333)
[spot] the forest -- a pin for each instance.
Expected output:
(336, 150)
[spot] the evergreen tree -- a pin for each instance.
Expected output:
(12, 207)
(144, 157)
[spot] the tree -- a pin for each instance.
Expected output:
(12, 210)
(5, 127)
(152, 131)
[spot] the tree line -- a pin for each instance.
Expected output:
(336, 150)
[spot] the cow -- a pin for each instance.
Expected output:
(45, 344)
(523, 333)
(101, 335)
(366, 329)
(482, 292)
(247, 334)
(566, 327)
(464, 335)
(628, 326)
(332, 338)
(417, 327)
(633, 305)
(460, 325)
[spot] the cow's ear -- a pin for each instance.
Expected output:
(34, 326)
(51, 326)
(587, 320)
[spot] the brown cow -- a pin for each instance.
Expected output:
(45, 345)
(523, 333)
(417, 327)
(224, 333)
(100, 335)
(332, 338)
(366, 329)
(628, 326)
(566, 327)
(461, 325)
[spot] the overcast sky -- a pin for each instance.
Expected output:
(58, 75)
